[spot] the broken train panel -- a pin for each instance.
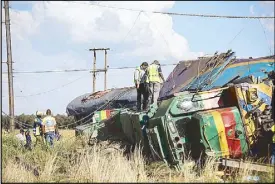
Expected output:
(223, 122)
(214, 123)
(217, 70)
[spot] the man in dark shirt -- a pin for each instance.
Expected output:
(37, 129)
(28, 144)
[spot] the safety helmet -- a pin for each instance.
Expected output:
(38, 113)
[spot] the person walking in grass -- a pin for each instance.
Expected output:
(57, 134)
(21, 138)
(28, 144)
(37, 129)
(49, 127)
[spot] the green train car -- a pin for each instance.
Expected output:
(218, 106)
(223, 123)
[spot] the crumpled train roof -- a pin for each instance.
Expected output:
(184, 74)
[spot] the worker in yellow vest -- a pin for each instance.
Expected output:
(37, 128)
(141, 84)
(48, 127)
(154, 74)
(273, 145)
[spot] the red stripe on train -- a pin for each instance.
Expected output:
(234, 144)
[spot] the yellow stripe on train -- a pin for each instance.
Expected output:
(103, 114)
(221, 132)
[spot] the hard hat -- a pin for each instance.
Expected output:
(38, 113)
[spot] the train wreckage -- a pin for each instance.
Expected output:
(215, 106)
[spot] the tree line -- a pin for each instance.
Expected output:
(27, 121)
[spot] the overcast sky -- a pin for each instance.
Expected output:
(50, 35)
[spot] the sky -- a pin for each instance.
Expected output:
(49, 35)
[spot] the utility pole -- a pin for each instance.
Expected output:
(94, 74)
(105, 73)
(105, 67)
(9, 63)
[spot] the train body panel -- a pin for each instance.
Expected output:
(231, 121)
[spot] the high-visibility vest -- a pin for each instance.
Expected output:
(49, 123)
(273, 130)
(153, 74)
(37, 126)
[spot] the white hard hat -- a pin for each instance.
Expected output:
(38, 113)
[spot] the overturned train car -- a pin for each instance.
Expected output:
(203, 113)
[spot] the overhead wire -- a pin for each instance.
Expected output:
(54, 89)
(16, 121)
(238, 33)
(57, 71)
(182, 14)
(169, 13)
(166, 45)
(131, 28)
(66, 84)
(111, 53)
(160, 33)
(80, 70)
(186, 14)
(265, 37)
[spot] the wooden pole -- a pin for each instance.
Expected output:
(105, 74)
(94, 72)
(9, 63)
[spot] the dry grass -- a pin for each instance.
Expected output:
(66, 133)
(72, 160)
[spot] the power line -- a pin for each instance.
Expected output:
(265, 36)
(54, 89)
(181, 14)
(231, 41)
(16, 121)
(129, 30)
(57, 71)
(131, 27)
(160, 34)
(40, 93)
(80, 70)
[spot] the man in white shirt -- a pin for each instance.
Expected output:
(49, 127)
(21, 137)
(140, 80)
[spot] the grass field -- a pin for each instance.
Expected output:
(65, 133)
(72, 160)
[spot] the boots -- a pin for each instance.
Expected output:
(138, 106)
(145, 105)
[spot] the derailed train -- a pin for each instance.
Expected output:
(218, 106)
